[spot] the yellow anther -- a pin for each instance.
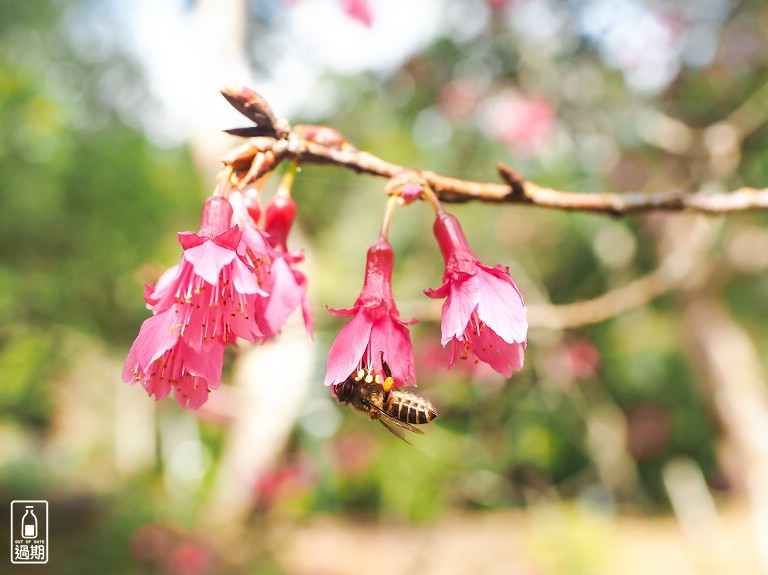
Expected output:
(360, 375)
(369, 378)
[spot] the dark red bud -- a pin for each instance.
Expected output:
(252, 201)
(278, 220)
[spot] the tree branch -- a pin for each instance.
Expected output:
(276, 141)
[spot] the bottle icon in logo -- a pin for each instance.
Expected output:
(29, 523)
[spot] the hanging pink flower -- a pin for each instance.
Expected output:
(267, 253)
(200, 305)
(483, 315)
(288, 286)
(213, 289)
(161, 360)
(375, 331)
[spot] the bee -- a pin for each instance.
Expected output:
(369, 394)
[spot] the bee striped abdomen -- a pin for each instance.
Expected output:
(409, 408)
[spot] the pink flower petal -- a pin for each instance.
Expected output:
(203, 371)
(286, 296)
(391, 337)
(458, 307)
(157, 335)
(500, 305)
(306, 308)
(439, 292)
(347, 350)
(166, 282)
(504, 357)
(190, 239)
(229, 239)
(254, 239)
(157, 387)
(207, 364)
(195, 392)
(243, 280)
(208, 259)
(342, 312)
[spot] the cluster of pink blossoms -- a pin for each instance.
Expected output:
(484, 316)
(238, 281)
(234, 280)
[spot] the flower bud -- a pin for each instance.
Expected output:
(278, 220)
(252, 203)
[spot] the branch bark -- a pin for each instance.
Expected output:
(273, 141)
(514, 190)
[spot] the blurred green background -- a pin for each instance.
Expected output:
(635, 437)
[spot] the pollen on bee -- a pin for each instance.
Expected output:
(387, 385)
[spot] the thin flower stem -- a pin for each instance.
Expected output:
(286, 183)
(222, 186)
(388, 211)
(432, 198)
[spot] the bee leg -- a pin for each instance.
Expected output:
(388, 382)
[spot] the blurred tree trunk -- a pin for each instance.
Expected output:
(732, 373)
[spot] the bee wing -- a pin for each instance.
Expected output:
(384, 416)
(396, 431)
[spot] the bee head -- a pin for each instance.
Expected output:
(345, 390)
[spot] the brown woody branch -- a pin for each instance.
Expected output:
(514, 190)
(275, 141)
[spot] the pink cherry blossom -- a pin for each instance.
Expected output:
(484, 315)
(256, 251)
(199, 306)
(268, 254)
(375, 331)
(213, 288)
(524, 124)
(289, 289)
(161, 360)
(359, 10)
